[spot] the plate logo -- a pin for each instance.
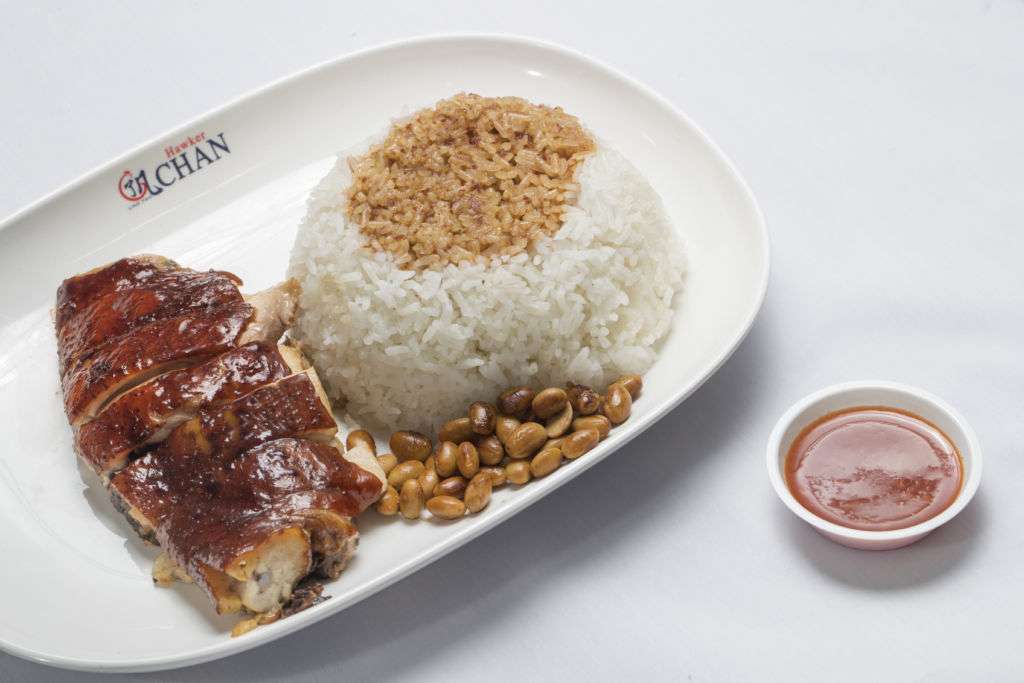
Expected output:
(182, 158)
(129, 187)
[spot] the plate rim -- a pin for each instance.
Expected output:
(232, 646)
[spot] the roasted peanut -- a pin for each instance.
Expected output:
(504, 427)
(468, 459)
(525, 436)
(553, 443)
(617, 404)
(578, 443)
(525, 440)
(517, 472)
(410, 499)
(559, 423)
(545, 462)
(549, 402)
(599, 422)
(497, 475)
(478, 492)
(490, 449)
(633, 383)
(360, 436)
(482, 417)
(583, 400)
(388, 503)
(428, 481)
(387, 462)
(403, 472)
(452, 486)
(457, 431)
(410, 445)
(515, 401)
(446, 507)
(445, 459)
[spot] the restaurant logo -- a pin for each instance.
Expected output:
(183, 158)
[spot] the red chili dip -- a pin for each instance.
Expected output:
(873, 468)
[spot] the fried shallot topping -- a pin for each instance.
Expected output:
(472, 178)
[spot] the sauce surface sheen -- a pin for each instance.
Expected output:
(873, 468)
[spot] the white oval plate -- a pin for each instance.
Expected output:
(79, 593)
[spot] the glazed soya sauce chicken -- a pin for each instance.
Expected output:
(215, 441)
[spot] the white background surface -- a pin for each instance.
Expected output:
(885, 145)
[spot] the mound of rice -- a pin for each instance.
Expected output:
(411, 348)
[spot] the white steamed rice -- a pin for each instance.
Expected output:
(410, 350)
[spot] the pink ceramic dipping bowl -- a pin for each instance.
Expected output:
(856, 394)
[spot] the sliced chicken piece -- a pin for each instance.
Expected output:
(148, 413)
(77, 292)
(144, 353)
(164, 294)
(196, 452)
(124, 323)
(280, 511)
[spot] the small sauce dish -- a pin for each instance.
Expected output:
(843, 397)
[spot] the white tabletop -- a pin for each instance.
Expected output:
(886, 146)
